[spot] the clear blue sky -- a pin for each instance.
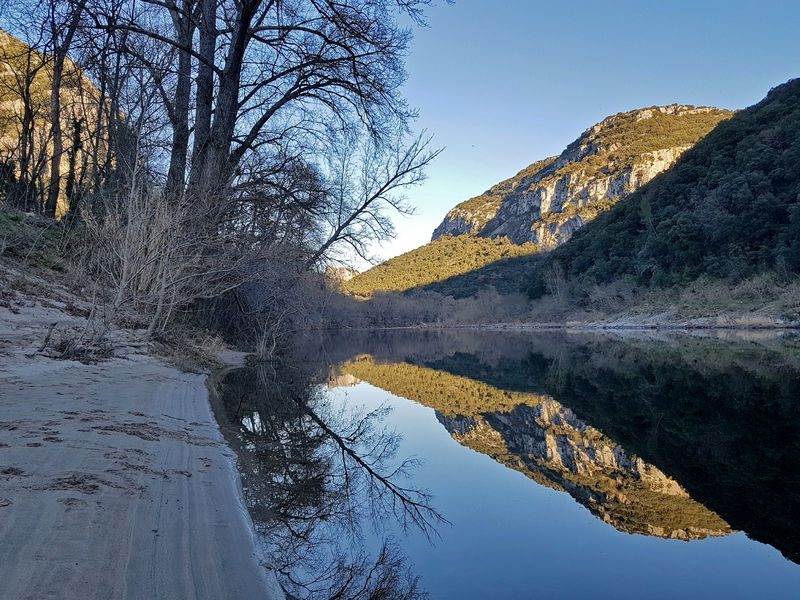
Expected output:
(502, 83)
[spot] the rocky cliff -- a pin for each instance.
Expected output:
(546, 202)
(727, 210)
(27, 73)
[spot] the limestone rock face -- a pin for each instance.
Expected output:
(549, 200)
(551, 445)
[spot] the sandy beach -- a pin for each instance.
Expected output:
(115, 481)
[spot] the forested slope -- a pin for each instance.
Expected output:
(729, 208)
(437, 261)
(541, 207)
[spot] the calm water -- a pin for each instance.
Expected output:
(525, 466)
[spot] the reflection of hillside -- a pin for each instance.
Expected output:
(721, 417)
(449, 394)
(539, 437)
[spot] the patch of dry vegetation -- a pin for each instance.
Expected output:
(449, 394)
(446, 257)
(764, 300)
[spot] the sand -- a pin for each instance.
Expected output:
(115, 481)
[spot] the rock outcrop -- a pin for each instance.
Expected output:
(549, 200)
(549, 444)
(80, 102)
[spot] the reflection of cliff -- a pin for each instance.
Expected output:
(722, 417)
(539, 437)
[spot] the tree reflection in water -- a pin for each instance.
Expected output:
(703, 434)
(316, 476)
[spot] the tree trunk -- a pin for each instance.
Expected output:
(180, 112)
(60, 56)
(205, 82)
(53, 191)
(213, 170)
(75, 148)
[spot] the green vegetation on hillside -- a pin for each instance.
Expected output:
(729, 208)
(626, 137)
(504, 276)
(443, 258)
(451, 395)
(463, 265)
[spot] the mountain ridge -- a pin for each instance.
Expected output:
(541, 206)
(728, 209)
(550, 199)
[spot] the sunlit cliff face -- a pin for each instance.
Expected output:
(548, 201)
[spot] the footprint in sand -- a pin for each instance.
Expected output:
(10, 472)
(73, 503)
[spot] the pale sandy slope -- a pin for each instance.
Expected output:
(115, 482)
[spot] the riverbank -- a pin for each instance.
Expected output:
(115, 481)
(654, 323)
(699, 326)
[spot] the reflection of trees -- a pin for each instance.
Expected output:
(315, 476)
(719, 415)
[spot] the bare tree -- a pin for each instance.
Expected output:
(312, 493)
(366, 181)
(274, 130)
(63, 19)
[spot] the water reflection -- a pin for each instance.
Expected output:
(671, 438)
(543, 439)
(722, 418)
(313, 476)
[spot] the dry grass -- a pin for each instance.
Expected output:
(77, 317)
(191, 350)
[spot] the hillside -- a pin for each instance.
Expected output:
(545, 203)
(729, 209)
(437, 261)
(25, 127)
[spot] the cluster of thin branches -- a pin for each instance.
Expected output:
(318, 475)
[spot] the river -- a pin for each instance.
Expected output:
(473, 464)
